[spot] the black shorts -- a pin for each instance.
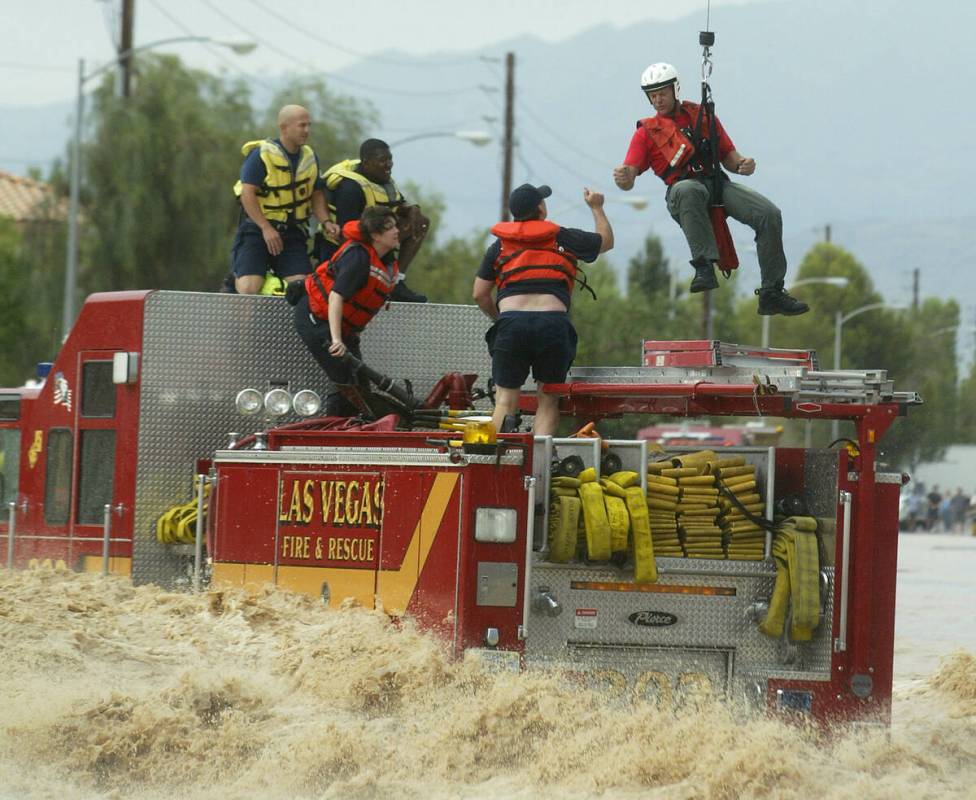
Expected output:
(541, 341)
(250, 256)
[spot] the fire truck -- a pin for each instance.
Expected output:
(132, 457)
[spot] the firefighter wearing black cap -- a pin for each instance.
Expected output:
(524, 284)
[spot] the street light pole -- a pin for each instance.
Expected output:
(71, 262)
(71, 257)
(839, 319)
(477, 138)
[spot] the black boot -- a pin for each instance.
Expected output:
(776, 300)
(405, 294)
(704, 276)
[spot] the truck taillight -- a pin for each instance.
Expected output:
(495, 525)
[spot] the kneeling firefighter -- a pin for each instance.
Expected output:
(336, 302)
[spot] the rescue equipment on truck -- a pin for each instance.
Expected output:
(797, 589)
(178, 524)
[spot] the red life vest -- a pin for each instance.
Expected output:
(529, 252)
(673, 143)
(359, 309)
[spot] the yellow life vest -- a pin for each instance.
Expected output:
(376, 194)
(273, 285)
(283, 196)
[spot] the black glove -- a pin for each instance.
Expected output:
(295, 292)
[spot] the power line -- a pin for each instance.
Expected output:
(565, 167)
(538, 120)
(332, 76)
(359, 54)
(565, 143)
(214, 51)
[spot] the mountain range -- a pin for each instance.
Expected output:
(856, 113)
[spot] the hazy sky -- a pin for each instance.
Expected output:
(44, 39)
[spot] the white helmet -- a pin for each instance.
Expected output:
(658, 76)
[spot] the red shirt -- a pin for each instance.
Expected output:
(644, 155)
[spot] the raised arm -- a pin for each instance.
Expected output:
(595, 201)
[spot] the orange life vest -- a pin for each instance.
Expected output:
(673, 143)
(359, 309)
(529, 252)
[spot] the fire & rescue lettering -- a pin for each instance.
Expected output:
(353, 503)
(357, 549)
(350, 550)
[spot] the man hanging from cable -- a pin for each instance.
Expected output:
(687, 147)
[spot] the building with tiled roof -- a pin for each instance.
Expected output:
(26, 200)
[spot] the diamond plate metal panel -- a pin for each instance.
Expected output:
(820, 482)
(200, 349)
(703, 622)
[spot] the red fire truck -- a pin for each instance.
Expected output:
(139, 417)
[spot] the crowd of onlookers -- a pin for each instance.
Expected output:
(936, 511)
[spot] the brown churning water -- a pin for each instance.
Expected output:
(114, 691)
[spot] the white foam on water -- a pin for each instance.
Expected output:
(114, 691)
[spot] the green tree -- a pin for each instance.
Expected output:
(31, 271)
(966, 417)
(882, 338)
(157, 177)
(607, 327)
(160, 165)
(648, 273)
(927, 363)
(444, 271)
(14, 319)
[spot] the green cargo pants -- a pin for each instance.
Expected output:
(688, 202)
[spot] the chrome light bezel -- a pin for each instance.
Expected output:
(307, 403)
(277, 402)
(249, 402)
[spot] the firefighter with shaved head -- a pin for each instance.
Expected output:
(280, 190)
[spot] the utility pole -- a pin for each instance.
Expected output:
(125, 45)
(508, 138)
(827, 233)
(707, 315)
(915, 279)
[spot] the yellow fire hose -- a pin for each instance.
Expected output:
(177, 525)
(797, 580)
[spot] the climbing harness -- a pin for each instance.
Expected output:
(728, 260)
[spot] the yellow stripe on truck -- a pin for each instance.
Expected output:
(117, 565)
(395, 587)
(359, 584)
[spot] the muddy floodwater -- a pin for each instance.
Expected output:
(114, 691)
